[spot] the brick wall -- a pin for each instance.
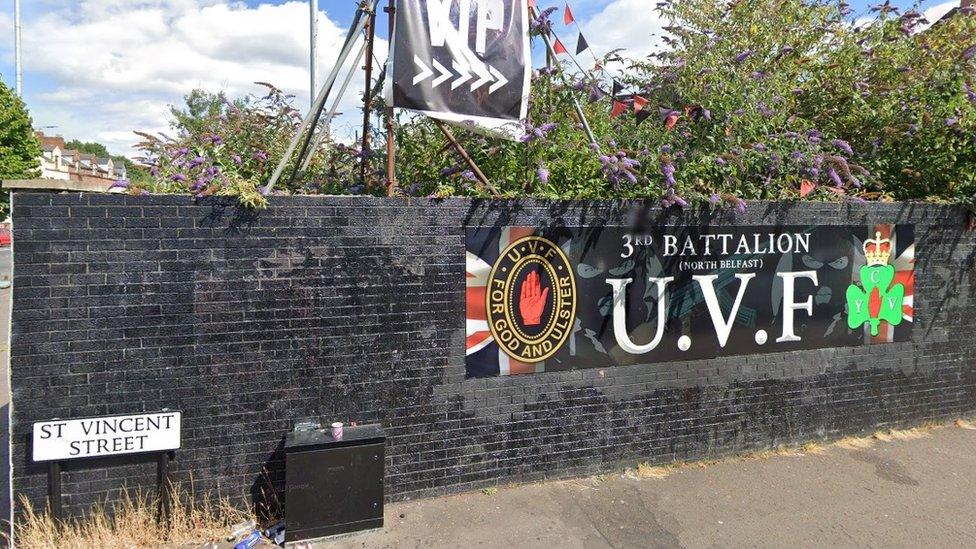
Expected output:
(353, 309)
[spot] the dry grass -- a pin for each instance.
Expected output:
(854, 443)
(130, 522)
(903, 434)
(964, 424)
(646, 470)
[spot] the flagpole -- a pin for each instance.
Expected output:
(18, 61)
(390, 137)
(367, 98)
(313, 41)
(576, 105)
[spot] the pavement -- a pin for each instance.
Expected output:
(902, 493)
(6, 273)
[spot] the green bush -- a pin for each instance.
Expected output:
(20, 152)
(749, 100)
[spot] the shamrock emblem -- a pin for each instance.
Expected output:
(877, 298)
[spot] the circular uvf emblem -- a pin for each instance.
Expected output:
(531, 300)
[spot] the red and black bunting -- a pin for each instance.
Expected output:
(568, 16)
(619, 108)
(559, 48)
(617, 88)
(581, 45)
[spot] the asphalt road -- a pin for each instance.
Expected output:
(914, 493)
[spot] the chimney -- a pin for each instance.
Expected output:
(968, 4)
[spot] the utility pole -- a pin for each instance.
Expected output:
(17, 51)
(313, 41)
(390, 137)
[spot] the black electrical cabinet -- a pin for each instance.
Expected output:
(333, 486)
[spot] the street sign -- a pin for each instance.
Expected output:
(58, 440)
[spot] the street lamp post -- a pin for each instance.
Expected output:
(313, 40)
(19, 69)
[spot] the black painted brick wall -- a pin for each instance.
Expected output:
(353, 309)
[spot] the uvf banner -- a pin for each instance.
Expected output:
(463, 61)
(565, 298)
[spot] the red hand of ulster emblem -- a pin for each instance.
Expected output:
(532, 301)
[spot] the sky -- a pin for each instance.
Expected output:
(96, 70)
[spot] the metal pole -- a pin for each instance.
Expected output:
(324, 131)
(18, 61)
(367, 98)
(316, 111)
(163, 487)
(576, 105)
(54, 490)
(390, 137)
(313, 42)
(467, 157)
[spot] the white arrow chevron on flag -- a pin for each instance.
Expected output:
(424, 73)
(465, 76)
(484, 77)
(445, 74)
(500, 77)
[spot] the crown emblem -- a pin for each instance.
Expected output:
(877, 250)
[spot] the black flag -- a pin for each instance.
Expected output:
(617, 88)
(581, 45)
(473, 72)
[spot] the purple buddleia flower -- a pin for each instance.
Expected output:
(844, 146)
(951, 121)
(759, 147)
(667, 169)
(714, 199)
(720, 161)
(469, 175)
(120, 184)
(178, 178)
(543, 174)
(261, 156)
(834, 177)
(447, 172)
(237, 159)
(596, 93)
(970, 93)
(196, 162)
(739, 59)
(740, 205)
(969, 53)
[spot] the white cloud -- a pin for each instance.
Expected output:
(117, 64)
(630, 24)
(6, 46)
(938, 11)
